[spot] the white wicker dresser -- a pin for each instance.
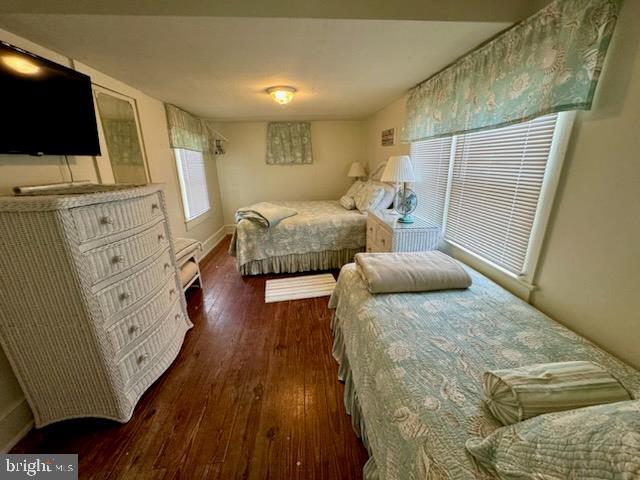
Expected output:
(91, 306)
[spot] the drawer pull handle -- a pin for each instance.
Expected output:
(178, 316)
(117, 259)
(160, 237)
(383, 241)
(166, 265)
(106, 220)
(154, 206)
(133, 329)
(123, 296)
(143, 358)
(172, 292)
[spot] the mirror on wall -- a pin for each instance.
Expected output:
(120, 132)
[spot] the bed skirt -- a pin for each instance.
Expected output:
(300, 262)
(351, 403)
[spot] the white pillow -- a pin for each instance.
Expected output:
(387, 198)
(354, 189)
(369, 197)
(347, 202)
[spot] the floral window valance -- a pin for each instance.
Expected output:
(289, 143)
(548, 63)
(186, 131)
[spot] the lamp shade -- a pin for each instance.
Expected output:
(356, 170)
(399, 169)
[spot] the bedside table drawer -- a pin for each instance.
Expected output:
(386, 234)
(384, 243)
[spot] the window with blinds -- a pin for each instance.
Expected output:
(431, 160)
(193, 182)
(495, 187)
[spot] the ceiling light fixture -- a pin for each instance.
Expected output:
(20, 64)
(281, 94)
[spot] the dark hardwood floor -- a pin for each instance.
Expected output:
(253, 394)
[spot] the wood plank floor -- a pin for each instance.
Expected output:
(253, 394)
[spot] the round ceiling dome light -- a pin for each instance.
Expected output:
(281, 94)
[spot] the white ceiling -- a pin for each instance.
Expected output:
(219, 67)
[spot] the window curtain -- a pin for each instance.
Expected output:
(289, 143)
(548, 63)
(186, 131)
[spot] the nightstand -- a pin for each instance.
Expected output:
(386, 234)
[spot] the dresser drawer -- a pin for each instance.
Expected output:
(162, 361)
(371, 234)
(384, 242)
(129, 329)
(103, 262)
(101, 220)
(142, 357)
(116, 298)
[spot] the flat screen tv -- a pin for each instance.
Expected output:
(45, 108)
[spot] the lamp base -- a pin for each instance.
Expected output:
(406, 219)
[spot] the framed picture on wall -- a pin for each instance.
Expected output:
(388, 137)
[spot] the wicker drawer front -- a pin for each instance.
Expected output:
(143, 357)
(116, 257)
(116, 298)
(104, 219)
(162, 361)
(131, 328)
(384, 243)
(371, 234)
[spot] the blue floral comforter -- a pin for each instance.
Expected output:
(416, 362)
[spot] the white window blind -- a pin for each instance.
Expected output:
(431, 160)
(193, 182)
(495, 187)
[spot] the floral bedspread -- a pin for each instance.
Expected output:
(319, 226)
(417, 360)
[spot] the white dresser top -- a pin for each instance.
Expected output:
(14, 203)
(390, 219)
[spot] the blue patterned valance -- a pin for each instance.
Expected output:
(289, 143)
(550, 62)
(186, 131)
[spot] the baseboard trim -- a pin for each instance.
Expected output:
(228, 229)
(15, 423)
(212, 242)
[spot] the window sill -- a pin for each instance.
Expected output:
(195, 221)
(517, 285)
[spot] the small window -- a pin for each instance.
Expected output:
(193, 183)
(486, 189)
(431, 160)
(495, 189)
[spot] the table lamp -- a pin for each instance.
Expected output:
(356, 171)
(400, 170)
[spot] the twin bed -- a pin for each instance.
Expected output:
(322, 236)
(412, 365)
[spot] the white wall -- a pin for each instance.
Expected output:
(245, 178)
(391, 116)
(589, 273)
(15, 415)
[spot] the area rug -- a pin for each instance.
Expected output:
(297, 288)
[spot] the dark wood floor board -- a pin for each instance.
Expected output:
(253, 394)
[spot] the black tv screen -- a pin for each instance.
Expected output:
(45, 108)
